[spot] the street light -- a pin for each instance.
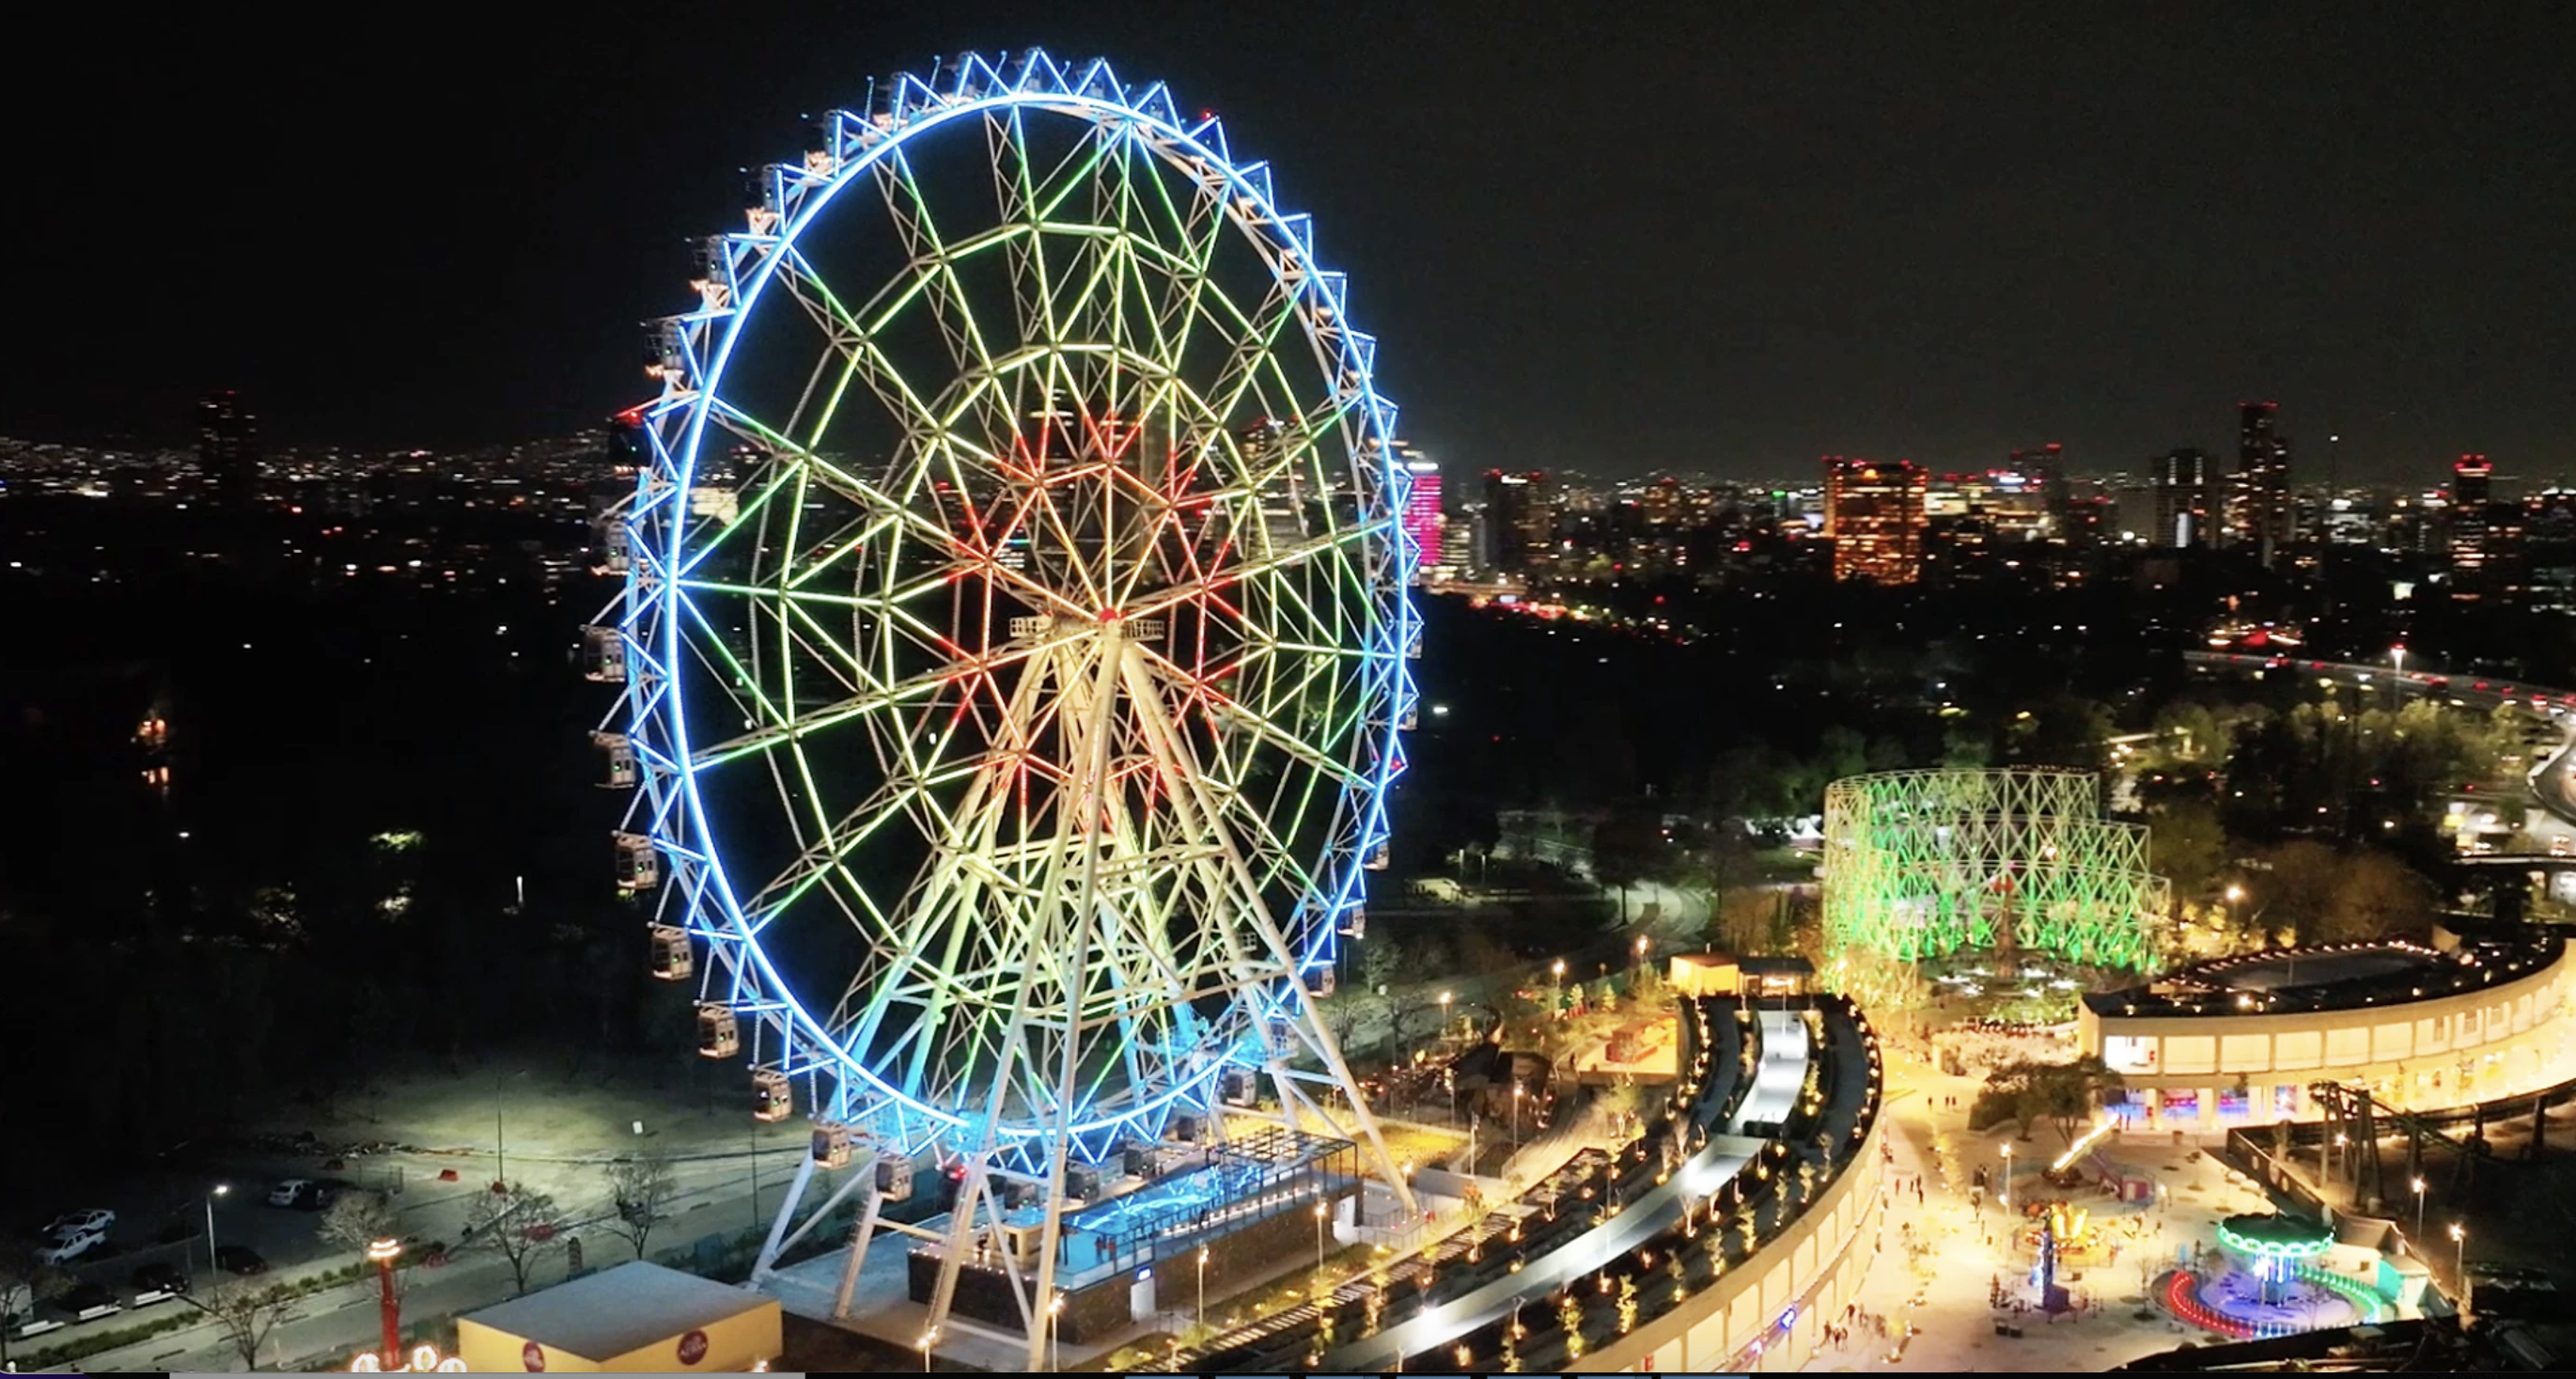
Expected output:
(382, 1254)
(220, 1190)
(2460, 1264)
(1516, 1113)
(926, 1338)
(1203, 1252)
(2419, 1207)
(1445, 999)
(2007, 1193)
(1055, 1355)
(1319, 1247)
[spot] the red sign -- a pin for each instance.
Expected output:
(533, 1356)
(693, 1347)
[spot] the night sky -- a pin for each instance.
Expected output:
(1728, 244)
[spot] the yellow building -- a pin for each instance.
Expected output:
(635, 1318)
(1706, 974)
(2241, 1039)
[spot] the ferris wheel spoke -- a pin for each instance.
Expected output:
(1259, 726)
(933, 260)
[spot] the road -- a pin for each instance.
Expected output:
(327, 1327)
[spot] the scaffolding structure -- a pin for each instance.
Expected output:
(1920, 864)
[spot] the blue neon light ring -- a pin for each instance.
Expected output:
(657, 616)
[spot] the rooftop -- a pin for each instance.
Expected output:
(617, 1311)
(2339, 976)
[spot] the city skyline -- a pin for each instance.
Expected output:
(1764, 268)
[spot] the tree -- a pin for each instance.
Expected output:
(2068, 1093)
(355, 1220)
(246, 1312)
(25, 1280)
(1840, 752)
(522, 1225)
(2379, 897)
(2297, 893)
(1627, 847)
(642, 1187)
(2028, 1091)
(2186, 846)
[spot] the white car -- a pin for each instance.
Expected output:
(285, 1193)
(62, 1246)
(98, 1219)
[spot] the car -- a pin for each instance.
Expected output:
(285, 1193)
(98, 1219)
(159, 1278)
(240, 1259)
(87, 1298)
(62, 1247)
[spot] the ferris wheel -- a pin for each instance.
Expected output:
(1014, 639)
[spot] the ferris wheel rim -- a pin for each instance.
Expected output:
(809, 1045)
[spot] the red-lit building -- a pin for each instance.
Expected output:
(1874, 516)
(1422, 507)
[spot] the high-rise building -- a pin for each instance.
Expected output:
(2182, 482)
(1874, 516)
(1519, 520)
(2471, 516)
(1422, 507)
(2044, 470)
(227, 452)
(2261, 514)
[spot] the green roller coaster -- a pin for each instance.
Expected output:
(1920, 864)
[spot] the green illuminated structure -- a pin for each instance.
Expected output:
(1919, 864)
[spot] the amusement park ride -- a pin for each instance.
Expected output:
(1013, 647)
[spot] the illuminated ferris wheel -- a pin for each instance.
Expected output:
(1014, 635)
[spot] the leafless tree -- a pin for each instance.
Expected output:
(355, 1220)
(642, 1187)
(25, 1280)
(247, 1312)
(520, 1224)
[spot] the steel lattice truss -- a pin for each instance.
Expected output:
(1016, 627)
(1924, 863)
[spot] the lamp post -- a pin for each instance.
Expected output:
(1319, 1247)
(1055, 1328)
(2007, 1192)
(926, 1338)
(382, 1253)
(1516, 1113)
(1556, 988)
(2460, 1262)
(1203, 1252)
(220, 1190)
(1445, 998)
(2419, 1207)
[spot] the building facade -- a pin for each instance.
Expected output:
(227, 452)
(1422, 509)
(2183, 485)
(2261, 514)
(1874, 515)
(2242, 1040)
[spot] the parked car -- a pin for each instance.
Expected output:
(86, 1297)
(285, 1193)
(160, 1278)
(63, 1246)
(240, 1259)
(98, 1219)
